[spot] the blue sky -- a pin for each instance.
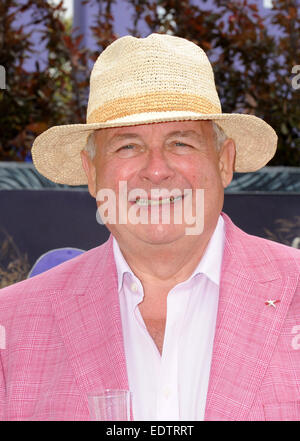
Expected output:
(68, 5)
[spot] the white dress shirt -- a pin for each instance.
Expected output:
(172, 386)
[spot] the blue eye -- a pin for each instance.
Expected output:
(182, 144)
(127, 147)
(128, 150)
(180, 148)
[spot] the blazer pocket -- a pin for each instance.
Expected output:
(289, 411)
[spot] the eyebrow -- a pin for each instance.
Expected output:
(123, 136)
(180, 133)
(185, 134)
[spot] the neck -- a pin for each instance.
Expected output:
(165, 265)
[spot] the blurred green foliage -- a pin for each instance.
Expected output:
(253, 67)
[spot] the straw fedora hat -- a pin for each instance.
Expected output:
(147, 80)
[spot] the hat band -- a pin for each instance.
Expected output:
(152, 102)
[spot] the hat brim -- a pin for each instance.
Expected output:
(56, 152)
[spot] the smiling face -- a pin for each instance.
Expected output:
(152, 157)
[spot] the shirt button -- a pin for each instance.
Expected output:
(167, 392)
(134, 287)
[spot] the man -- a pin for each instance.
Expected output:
(198, 319)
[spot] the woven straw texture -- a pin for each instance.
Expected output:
(147, 80)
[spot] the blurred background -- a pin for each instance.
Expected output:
(47, 49)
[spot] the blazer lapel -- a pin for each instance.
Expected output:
(87, 312)
(247, 329)
(88, 315)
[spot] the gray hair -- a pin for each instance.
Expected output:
(91, 145)
(219, 135)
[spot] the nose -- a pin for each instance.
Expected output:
(157, 168)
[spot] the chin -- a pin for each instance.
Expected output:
(159, 234)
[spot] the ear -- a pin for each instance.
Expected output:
(226, 161)
(90, 171)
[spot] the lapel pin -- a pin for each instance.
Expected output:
(272, 303)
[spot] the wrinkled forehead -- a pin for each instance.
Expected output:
(203, 128)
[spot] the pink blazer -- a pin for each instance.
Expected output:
(61, 336)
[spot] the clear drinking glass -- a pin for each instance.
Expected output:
(110, 405)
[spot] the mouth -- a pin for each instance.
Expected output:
(156, 202)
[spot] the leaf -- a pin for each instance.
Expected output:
(250, 100)
(284, 129)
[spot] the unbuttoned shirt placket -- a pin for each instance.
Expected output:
(145, 365)
(161, 370)
(168, 399)
(172, 386)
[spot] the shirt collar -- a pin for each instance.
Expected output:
(210, 264)
(211, 261)
(121, 264)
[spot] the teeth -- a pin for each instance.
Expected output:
(145, 202)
